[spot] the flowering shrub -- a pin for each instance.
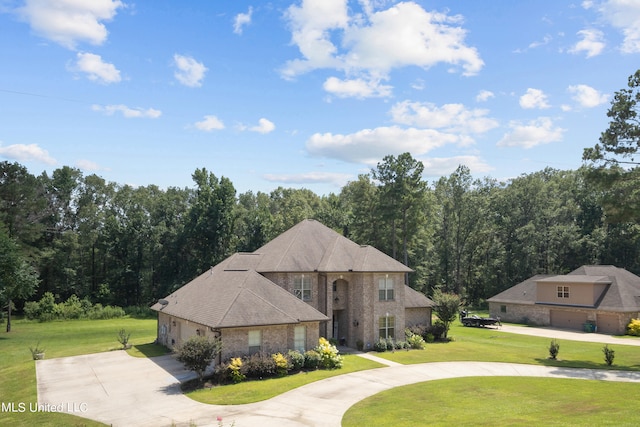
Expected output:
(282, 364)
(296, 360)
(633, 328)
(415, 341)
(311, 359)
(234, 368)
(329, 357)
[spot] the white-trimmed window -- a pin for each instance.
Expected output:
(255, 341)
(300, 338)
(563, 292)
(387, 327)
(302, 287)
(385, 289)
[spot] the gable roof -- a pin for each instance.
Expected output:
(225, 297)
(415, 299)
(312, 246)
(622, 292)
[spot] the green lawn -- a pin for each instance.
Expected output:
(502, 401)
(59, 339)
(492, 345)
(254, 391)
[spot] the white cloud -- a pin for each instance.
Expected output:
(96, 69)
(441, 166)
(591, 43)
(625, 16)
(338, 179)
(451, 117)
(484, 95)
(586, 96)
(241, 20)
(367, 47)
(209, 123)
(545, 40)
(68, 22)
(356, 88)
(90, 166)
(534, 98)
(27, 153)
(127, 112)
(264, 126)
(369, 146)
(190, 72)
(528, 135)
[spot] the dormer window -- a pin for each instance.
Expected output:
(302, 287)
(563, 292)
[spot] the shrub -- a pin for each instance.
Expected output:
(31, 310)
(139, 312)
(437, 330)
(311, 359)
(609, 354)
(123, 338)
(380, 346)
(329, 357)
(282, 364)
(633, 328)
(259, 365)
(197, 353)
(554, 348)
(234, 370)
(415, 341)
(297, 360)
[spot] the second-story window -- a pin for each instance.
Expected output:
(385, 288)
(302, 287)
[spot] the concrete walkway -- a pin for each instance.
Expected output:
(121, 390)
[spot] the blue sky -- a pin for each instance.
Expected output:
(308, 93)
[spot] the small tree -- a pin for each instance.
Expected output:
(554, 348)
(447, 308)
(197, 353)
(609, 354)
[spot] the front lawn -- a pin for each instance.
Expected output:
(59, 339)
(502, 401)
(492, 345)
(255, 391)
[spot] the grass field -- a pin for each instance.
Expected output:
(59, 339)
(436, 400)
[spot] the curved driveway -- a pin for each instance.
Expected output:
(121, 390)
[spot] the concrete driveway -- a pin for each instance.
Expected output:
(121, 390)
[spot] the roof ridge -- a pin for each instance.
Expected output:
(291, 242)
(271, 304)
(233, 301)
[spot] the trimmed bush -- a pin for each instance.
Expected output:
(554, 349)
(259, 366)
(282, 364)
(633, 328)
(297, 360)
(380, 346)
(311, 359)
(415, 341)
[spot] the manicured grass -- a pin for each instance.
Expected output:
(59, 339)
(255, 391)
(503, 401)
(492, 345)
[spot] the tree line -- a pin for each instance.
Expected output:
(121, 245)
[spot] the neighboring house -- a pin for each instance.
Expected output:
(307, 283)
(600, 298)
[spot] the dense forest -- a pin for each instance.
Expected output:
(120, 245)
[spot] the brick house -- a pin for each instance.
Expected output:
(308, 282)
(597, 298)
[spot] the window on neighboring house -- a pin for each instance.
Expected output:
(255, 342)
(387, 327)
(563, 292)
(299, 338)
(302, 287)
(385, 289)
(503, 309)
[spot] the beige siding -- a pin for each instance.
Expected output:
(579, 294)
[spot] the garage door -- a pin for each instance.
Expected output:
(568, 319)
(608, 323)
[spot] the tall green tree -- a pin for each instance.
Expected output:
(18, 279)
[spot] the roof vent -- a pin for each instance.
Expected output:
(163, 302)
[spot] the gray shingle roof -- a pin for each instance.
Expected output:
(621, 295)
(312, 246)
(225, 298)
(415, 299)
